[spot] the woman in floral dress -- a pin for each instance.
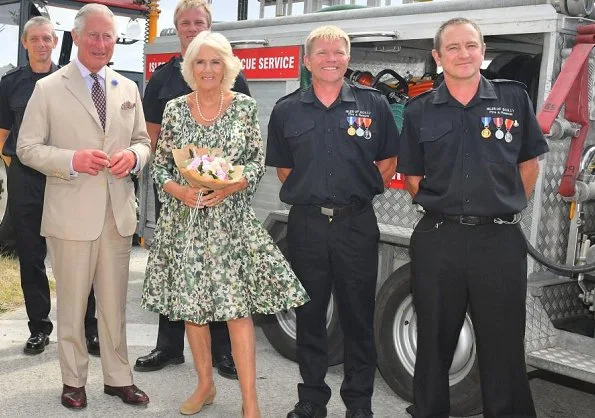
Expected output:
(211, 259)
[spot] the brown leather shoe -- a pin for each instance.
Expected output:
(129, 394)
(74, 398)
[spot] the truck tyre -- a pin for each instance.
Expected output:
(6, 236)
(396, 343)
(280, 329)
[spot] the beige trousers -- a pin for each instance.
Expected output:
(103, 263)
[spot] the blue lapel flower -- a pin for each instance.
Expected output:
(114, 82)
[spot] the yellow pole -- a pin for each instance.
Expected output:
(153, 19)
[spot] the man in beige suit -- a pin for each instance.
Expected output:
(84, 128)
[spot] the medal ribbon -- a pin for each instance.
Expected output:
(508, 123)
(367, 122)
(350, 120)
(486, 121)
(498, 122)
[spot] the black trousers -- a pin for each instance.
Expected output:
(25, 193)
(484, 269)
(343, 254)
(170, 336)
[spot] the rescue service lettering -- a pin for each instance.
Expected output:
(270, 63)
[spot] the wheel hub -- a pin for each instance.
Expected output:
(405, 342)
(287, 320)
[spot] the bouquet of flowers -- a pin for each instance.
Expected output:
(206, 167)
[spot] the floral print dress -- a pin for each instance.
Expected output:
(217, 263)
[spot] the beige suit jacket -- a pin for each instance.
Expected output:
(61, 118)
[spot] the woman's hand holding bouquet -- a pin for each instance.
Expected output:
(211, 176)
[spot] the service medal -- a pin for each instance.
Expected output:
(359, 131)
(485, 121)
(351, 129)
(516, 123)
(508, 123)
(498, 134)
(367, 122)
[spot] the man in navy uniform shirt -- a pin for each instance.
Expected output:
(334, 146)
(469, 150)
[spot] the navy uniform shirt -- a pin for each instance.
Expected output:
(167, 83)
(16, 88)
(331, 151)
(470, 154)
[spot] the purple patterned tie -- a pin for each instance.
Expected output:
(98, 96)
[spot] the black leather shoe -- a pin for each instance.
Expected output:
(307, 409)
(156, 360)
(93, 345)
(358, 413)
(36, 343)
(225, 366)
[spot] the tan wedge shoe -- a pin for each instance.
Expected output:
(191, 407)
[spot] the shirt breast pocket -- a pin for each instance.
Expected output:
(300, 136)
(435, 141)
(500, 151)
(365, 143)
(18, 108)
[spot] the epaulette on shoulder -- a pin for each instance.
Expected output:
(363, 87)
(412, 99)
(296, 91)
(513, 82)
(160, 66)
(12, 71)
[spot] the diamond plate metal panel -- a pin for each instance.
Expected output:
(394, 207)
(565, 361)
(552, 237)
(539, 331)
(561, 301)
(401, 256)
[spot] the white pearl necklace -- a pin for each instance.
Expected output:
(218, 112)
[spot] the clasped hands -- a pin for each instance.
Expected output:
(92, 161)
(197, 197)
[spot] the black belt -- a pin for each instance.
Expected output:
(479, 220)
(331, 210)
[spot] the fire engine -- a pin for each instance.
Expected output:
(545, 44)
